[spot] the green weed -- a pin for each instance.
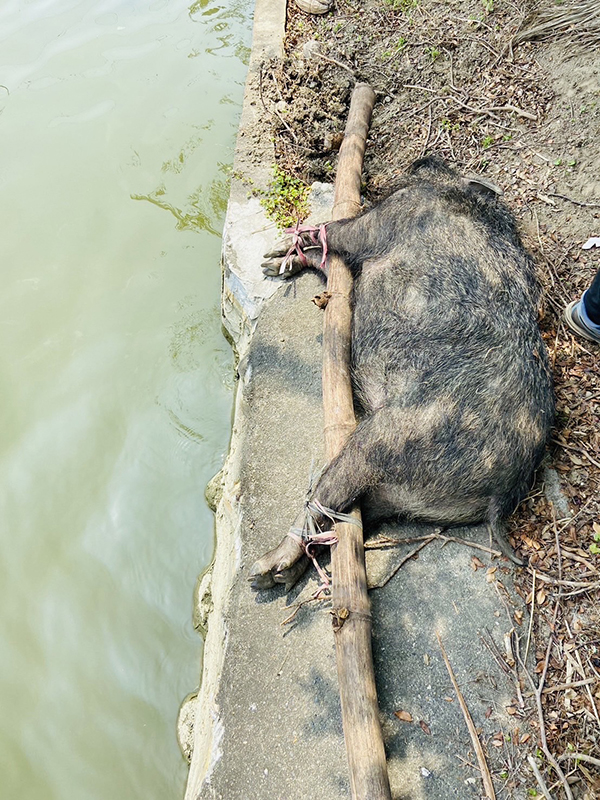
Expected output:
(285, 199)
(402, 5)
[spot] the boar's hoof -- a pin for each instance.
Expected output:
(285, 564)
(272, 268)
(315, 6)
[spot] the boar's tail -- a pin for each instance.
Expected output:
(499, 509)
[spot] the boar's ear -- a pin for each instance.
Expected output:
(481, 186)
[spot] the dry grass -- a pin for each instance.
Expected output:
(579, 21)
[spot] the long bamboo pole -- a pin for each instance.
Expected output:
(351, 606)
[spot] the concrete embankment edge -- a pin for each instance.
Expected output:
(243, 292)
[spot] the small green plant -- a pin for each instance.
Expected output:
(558, 162)
(285, 199)
(385, 55)
(595, 547)
(401, 44)
(402, 5)
(434, 52)
(488, 6)
(447, 125)
(507, 137)
(487, 141)
(572, 163)
(532, 792)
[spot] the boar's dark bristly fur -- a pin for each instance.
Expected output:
(450, 373)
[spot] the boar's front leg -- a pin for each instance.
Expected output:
(301, 250)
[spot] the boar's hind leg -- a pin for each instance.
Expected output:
(342, 482)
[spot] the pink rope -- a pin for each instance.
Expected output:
(317, 236)
(308, 540)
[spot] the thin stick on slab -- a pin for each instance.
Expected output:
(351, 607)
(485, 773)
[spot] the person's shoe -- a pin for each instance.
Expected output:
(577, 319)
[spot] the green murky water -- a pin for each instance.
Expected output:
(117, 121)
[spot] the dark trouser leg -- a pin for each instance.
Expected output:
(591, 300)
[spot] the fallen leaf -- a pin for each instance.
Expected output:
(540, 597)
(425, 727)
(531, 543)
(476, 563)
(404, 716)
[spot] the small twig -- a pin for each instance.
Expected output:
(557, 541)
(575, 202)
(388, 541)
(485, 112)
(495, 652)
(403, 561)
(485, 772)
(587, 688)
(580, 560)
(274, 111)
(484, 44)
(421, 88)
(450, 145)
(576, 450)
(319, 596)
(518, 111)
(452, 86)
(573, 584)
(562, 687)
(337, 63)
(504, 666)
(538, 777)
(580, 757)
(424, 148)
(537, 693)
(530, 629)
(584, 590)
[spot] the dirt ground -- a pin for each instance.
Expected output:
(451, 79)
